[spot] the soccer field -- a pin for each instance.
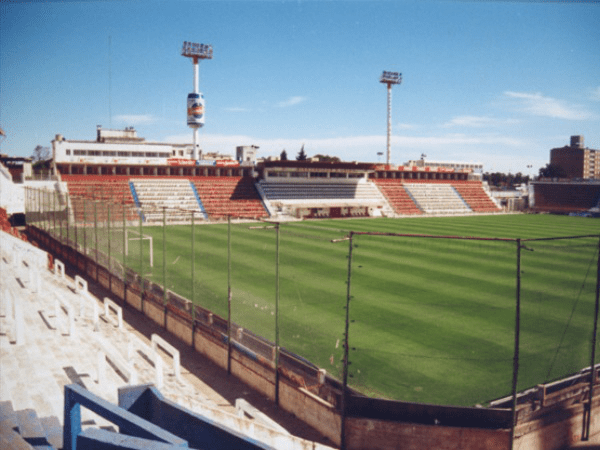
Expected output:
(432, 320)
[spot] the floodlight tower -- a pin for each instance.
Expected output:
(195, 100)
(390, 78)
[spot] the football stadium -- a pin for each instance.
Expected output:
(385, 306)
(354, 283)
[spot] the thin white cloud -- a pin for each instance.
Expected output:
(237, 109)
(477, 122)
(227, 143)
(405, 126)
(540, 105)
(292, 101)
(596, 94)
(136, 119)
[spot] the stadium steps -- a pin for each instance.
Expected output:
(439, 198)
(83, 189)
(397, 196)
(476, 197)
(324, 194)
(229, 196)
(174, 194)
(24, 430)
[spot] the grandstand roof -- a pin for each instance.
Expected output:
(319, 165)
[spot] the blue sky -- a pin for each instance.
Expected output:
(499, 83)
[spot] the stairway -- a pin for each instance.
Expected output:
(174, 194)
(24, 430)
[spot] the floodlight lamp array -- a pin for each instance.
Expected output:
(391, 77)
(194, 50)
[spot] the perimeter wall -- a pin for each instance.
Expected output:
(548, 417)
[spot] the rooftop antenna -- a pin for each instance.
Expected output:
(195, 100)
(389, 78)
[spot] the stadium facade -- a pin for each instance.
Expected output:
(120, 165)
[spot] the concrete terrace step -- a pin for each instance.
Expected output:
(54, 431)
(10, 439)
(31, 429)
(7, 414)
(23, 429)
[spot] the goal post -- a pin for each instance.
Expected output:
(136, 237)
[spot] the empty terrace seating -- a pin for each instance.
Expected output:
(175, 194)
(82, 188)
(324, 192)
(23, 429)
(229, 196)
(437, 198)
(476, 197)
(397, 196)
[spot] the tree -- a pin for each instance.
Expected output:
(327, 158)
(301, 155)
(503, 180)
(283, 156)
(40, 153)
(553, 171)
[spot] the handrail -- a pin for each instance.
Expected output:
(128, 423)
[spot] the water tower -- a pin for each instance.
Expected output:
(195, 100)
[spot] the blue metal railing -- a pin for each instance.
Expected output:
(136, 200)
(200, 432)
(198, 200)
(130, 425)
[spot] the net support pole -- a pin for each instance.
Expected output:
(164, 249)
(277, 315)
(516, 350)
(53, 193)
(141, 264)
(193, 273)
(124, 248)
(76, 237)
(67, 218)
(229, 295)
(96, 233)
(60, 218)
(85, 252)
(109, 264)
(346, 346)
(587, 411)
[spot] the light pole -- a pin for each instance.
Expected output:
(195, 100)
(389, 78)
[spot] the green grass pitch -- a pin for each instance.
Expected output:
(432, 320)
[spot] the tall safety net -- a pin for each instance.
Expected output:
(431, 320)
(558, 289)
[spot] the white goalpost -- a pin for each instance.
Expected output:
(144, 237)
